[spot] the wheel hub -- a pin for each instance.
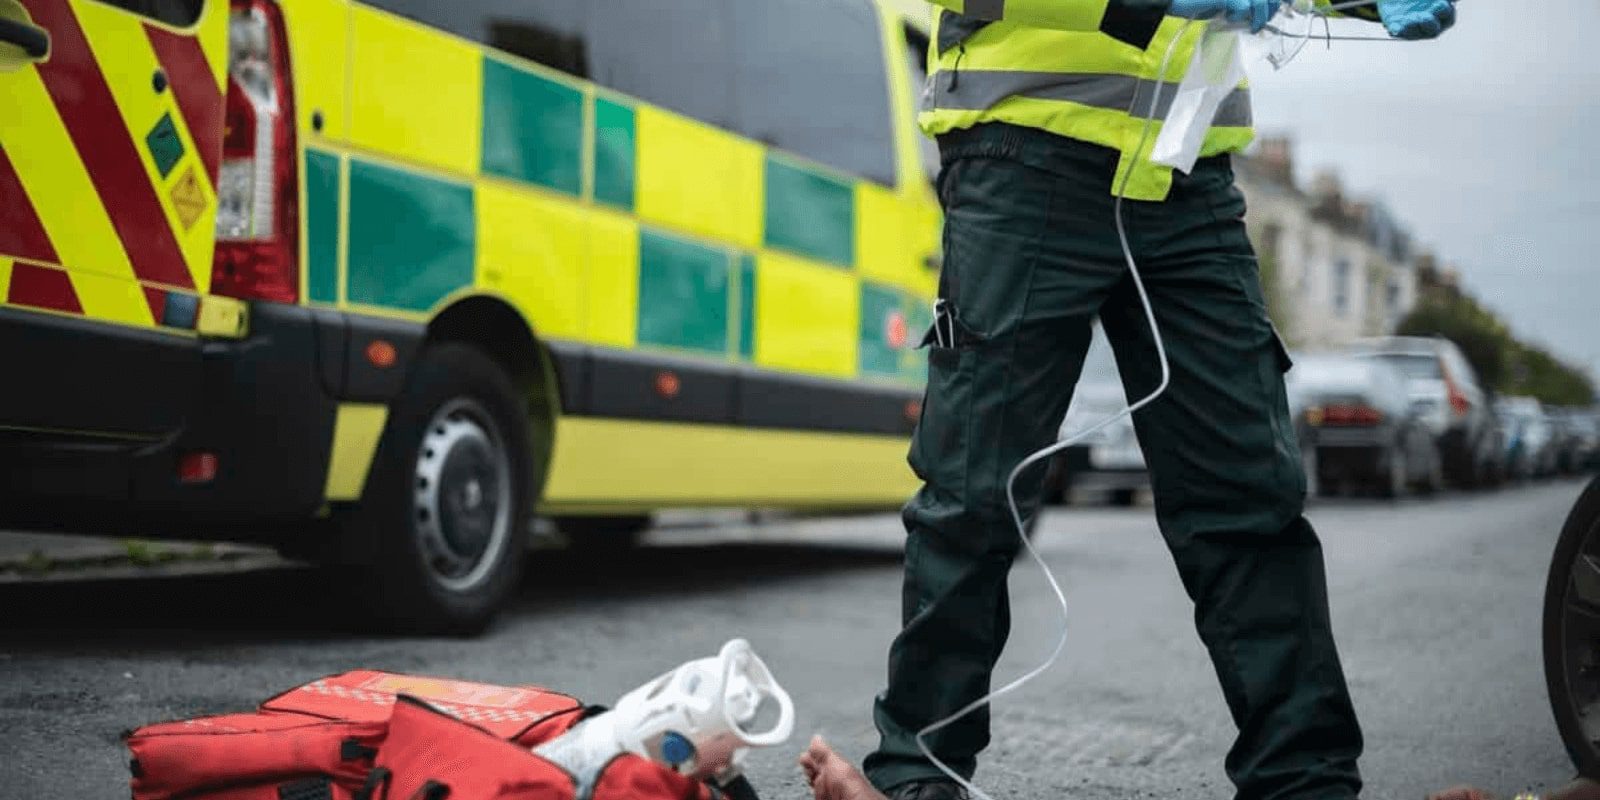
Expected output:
(462, 499)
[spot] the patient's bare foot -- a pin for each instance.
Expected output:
(1461, 793)
(1578, 789)
(832, 777)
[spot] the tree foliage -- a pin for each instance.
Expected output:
(1503, 363)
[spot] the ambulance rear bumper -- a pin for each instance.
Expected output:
(262, 407)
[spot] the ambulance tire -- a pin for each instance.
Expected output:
(448, 497)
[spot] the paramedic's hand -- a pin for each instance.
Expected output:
(1255, 13)
(1417, 19)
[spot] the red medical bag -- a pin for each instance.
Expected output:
(368, 735)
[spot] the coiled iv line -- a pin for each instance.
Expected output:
(1161, 388)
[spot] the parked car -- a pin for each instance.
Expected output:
(1300, 399)
(1110, 460)
(1496, 467)
(1448, 396)
(1516, 461)
(1588, 422)
(1361, 427)
(1534, 447)
(1575, 439)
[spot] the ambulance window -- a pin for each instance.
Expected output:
(809, 78)
(177, 13)
(550, 32)
(673, 54)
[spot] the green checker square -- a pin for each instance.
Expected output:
(413, 238)
(683, 294)
(615, 138)
(322, 226)
(810, 214)
(532, 128)
(166, 149)
(880, 307)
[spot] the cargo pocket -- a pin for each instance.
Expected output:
(939, 444)
(1285, 429)
(1281, 350)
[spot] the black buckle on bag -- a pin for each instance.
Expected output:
(432, 790)
(352, 750)
(378, 777)
(308, 789)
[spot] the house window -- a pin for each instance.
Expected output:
(1341, 287)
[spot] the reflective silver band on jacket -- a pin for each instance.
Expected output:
(976, 90)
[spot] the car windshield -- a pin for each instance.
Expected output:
(1331, 373)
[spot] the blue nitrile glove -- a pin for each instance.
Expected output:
(1254, 12)
(1417, 19)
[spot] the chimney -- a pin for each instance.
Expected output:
(1327, 195)
(1276, 157)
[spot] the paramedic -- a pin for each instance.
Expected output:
(1036, 105)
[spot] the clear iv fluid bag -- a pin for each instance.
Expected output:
(1215, 71)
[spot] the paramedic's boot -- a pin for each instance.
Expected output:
(928, 789)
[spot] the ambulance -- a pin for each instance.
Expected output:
(378, 282)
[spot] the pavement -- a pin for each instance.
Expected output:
(47, 557)
(1436, 605)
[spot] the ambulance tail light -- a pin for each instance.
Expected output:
(257, 256)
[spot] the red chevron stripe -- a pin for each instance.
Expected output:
(157, 300)
(87, 107)
(199, 99)
(42, 287)
(21, 233)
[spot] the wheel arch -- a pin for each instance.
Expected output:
(494, 326)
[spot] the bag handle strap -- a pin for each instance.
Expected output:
(377, 778)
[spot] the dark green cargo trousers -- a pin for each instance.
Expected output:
(1031, 258)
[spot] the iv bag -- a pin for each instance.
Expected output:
(1214, 72)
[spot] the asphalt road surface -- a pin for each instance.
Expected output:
(1436, 604)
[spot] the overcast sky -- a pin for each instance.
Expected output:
(1484, 143)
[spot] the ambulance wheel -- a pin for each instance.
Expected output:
(448, 496)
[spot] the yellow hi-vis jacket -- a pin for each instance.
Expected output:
(1086, 69)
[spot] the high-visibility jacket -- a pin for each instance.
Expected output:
(1087, 69)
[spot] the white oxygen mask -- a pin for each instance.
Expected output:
(696, 719)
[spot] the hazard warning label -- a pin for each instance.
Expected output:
(189, 198)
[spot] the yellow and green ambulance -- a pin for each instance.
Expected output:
(377, 281)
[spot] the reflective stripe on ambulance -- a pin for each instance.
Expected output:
(107, 181)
